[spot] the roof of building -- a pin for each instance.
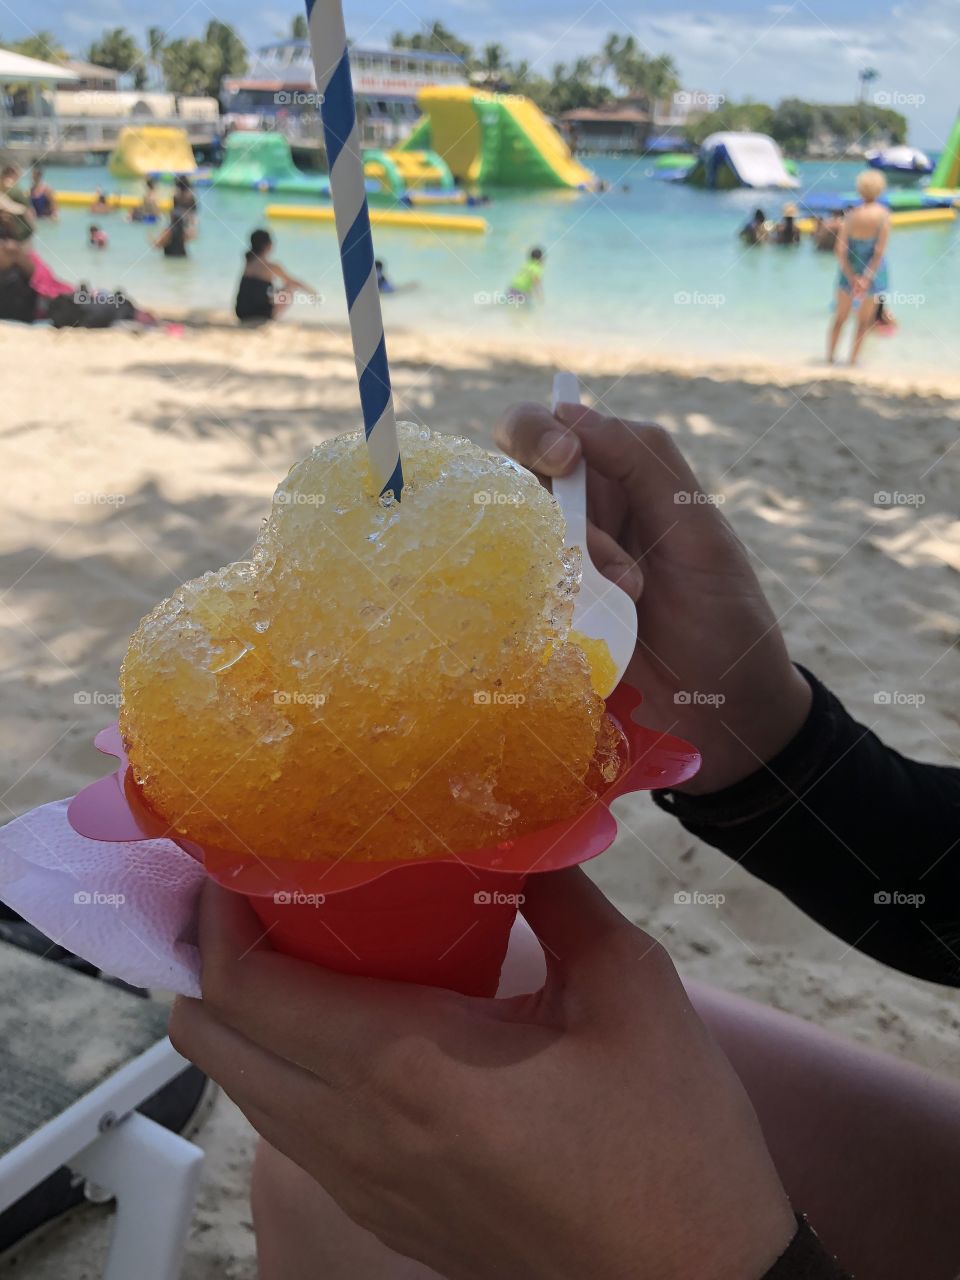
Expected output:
(16, 68)
(91, 71)
(607, 115)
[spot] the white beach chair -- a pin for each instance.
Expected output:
(77, 1057)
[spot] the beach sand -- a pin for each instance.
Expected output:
(132, 462)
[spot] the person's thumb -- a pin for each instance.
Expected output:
(583, 935)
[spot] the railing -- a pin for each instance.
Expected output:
(47, 134)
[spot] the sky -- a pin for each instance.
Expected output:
(738, 48)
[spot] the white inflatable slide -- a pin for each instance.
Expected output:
(741, 160)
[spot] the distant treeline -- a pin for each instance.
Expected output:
(799, 125)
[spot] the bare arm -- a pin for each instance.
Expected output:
(840, 249)
(288, 281)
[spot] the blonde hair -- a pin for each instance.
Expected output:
(871, 184)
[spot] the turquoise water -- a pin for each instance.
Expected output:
(657, 268)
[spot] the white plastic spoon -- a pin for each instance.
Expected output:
(603, 611)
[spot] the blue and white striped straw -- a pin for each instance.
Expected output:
(328, 43)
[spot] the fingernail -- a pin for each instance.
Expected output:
(571, 413)
(627, 576)
(558, 449)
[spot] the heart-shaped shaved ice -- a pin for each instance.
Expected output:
(379, 679)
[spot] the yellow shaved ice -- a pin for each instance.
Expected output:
(380, 679)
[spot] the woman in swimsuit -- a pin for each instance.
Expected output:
(256, 299)
(173, 239)
(861, 245)
(41, 197)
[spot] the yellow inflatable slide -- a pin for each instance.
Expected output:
(495, 139)
(147, 149)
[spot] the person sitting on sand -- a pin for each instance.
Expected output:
(96, 237)
(786, 231)
(861, 246)
(256, 297)
(148, 210)
(42, 198)
(609, 1120)
(527, 284)
(18, 299)
(20, 218)
(755, 231)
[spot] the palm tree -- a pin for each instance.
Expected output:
(42, 45)
(156, 38)
(299, 29)
(117, 50)
(866, 76)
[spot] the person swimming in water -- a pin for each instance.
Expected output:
(101, 204)
(256, 297)
(42, 199)
(861, 249)
(148, 210)
(526, 285)
(786, 231)
(96, 237)
(383, 284)
(754, 231)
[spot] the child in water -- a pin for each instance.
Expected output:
(97, 238)
(526, 285)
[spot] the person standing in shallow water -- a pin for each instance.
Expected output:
(861, 249)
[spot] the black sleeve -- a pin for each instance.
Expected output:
(806, 1259)
(860, 838)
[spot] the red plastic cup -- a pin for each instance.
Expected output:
(439, 922)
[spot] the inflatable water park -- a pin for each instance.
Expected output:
(467, 142)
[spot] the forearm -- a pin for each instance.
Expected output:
(836, 821)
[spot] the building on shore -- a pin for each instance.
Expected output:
(629, 124)
(617, 127)
(279, 89)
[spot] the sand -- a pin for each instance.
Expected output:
(132, 462)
